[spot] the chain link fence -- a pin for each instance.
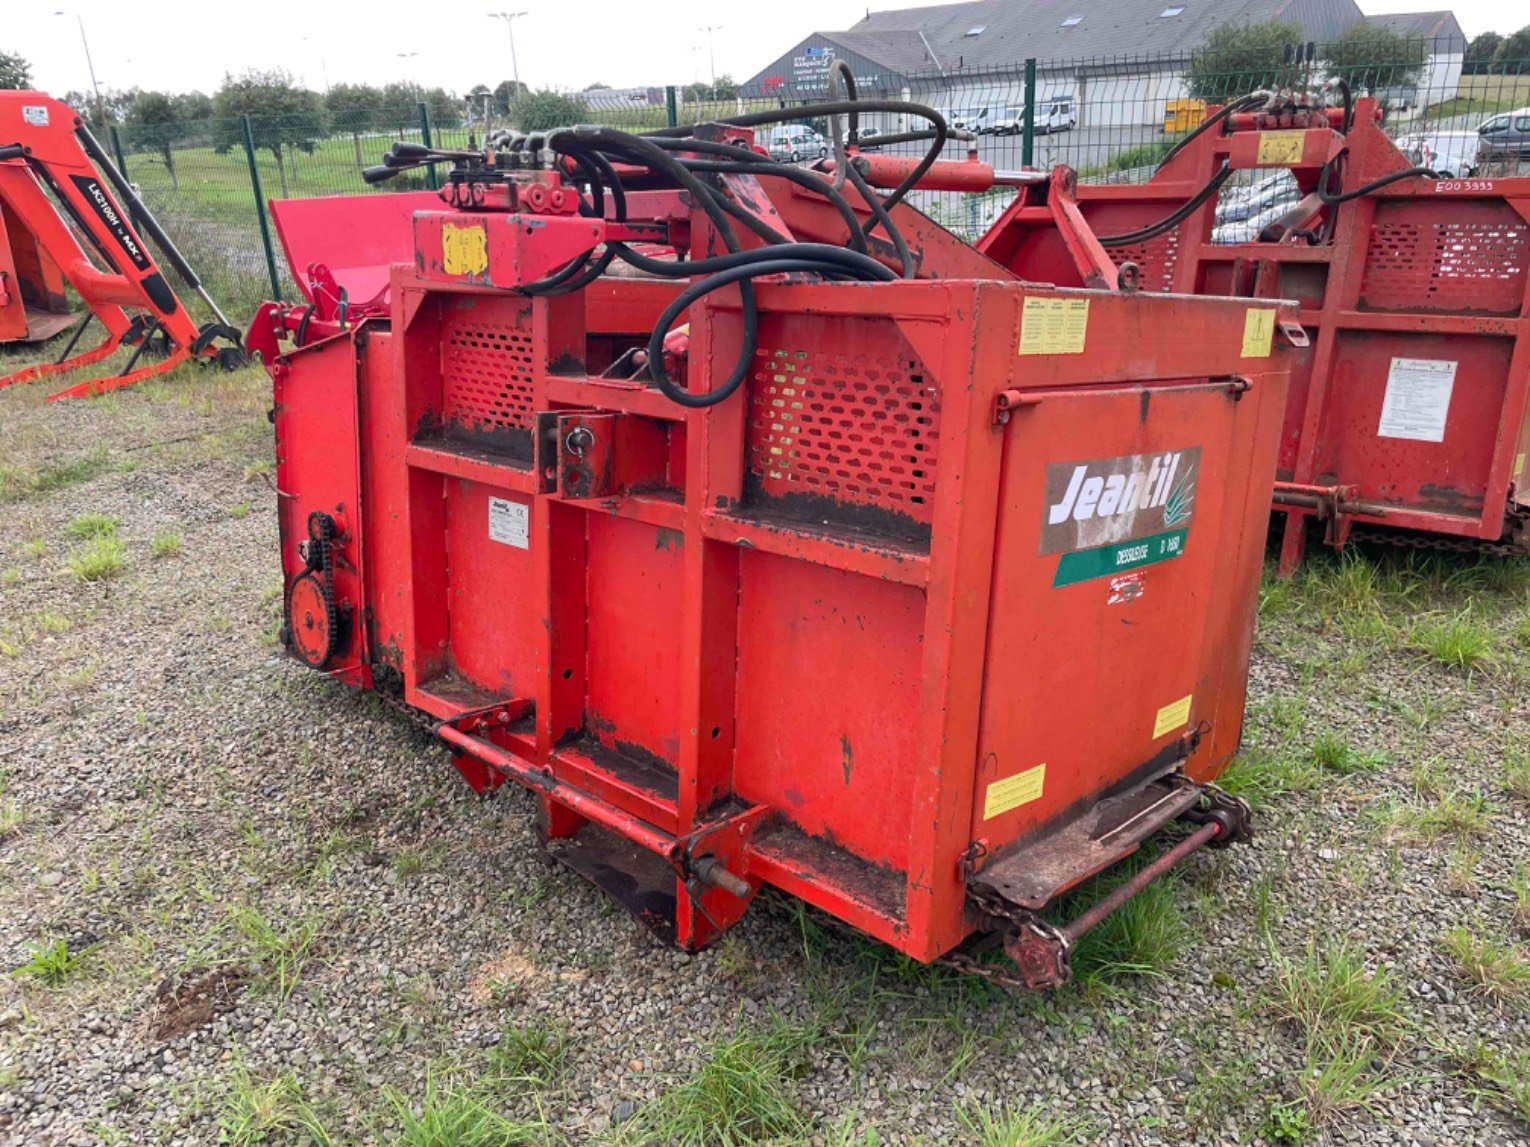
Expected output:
(1110, 119)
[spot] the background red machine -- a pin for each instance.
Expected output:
(1409, 407)
(68, 217)
(916, 590)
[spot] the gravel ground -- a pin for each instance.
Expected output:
(287, 920)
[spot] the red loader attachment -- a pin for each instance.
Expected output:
(1408, 404)
(67, 217)
(911, 588)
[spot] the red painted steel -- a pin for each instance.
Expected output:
(861, 631)
(1419, 271)
(45, 159)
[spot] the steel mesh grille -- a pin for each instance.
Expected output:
(486, 375)
(1447, 266)
(1155, 260)
(860, 429)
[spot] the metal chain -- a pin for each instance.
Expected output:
(1444, 544)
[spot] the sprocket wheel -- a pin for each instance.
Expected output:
(312, 624)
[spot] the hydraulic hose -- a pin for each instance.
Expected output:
(1174, 218)
(1325, 178)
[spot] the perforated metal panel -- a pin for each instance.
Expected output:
(1471, 258)
(1155, 260)
(856, 428)
(486, 372)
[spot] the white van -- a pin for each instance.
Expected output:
(1051, 115)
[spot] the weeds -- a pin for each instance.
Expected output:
(99, 558)
(254, 1111)
(1261, 775)
(1031, 1127)
(1497, 971)
(51, 962)
(281, 952)
(457, 1114)
(741, 1094)
(1329, 997)
(1459, 641)
(87, 526)
(54, 623)
(166, 544)
(539, 1053)
(1516, 769)
(1508, 1077)
(1141, 938)
(1335, 755)
(1339, 1077)
(18, 482)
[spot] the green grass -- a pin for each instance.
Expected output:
(1460, 640)
(1340, 1076)
(166, 544)
(1454, 814)
(1333, 754)
(88, 526)
(1003, 1126)
(457, 1113)
(1498, 971)
(20, 482)
(52, 962)
(1508, 1078)
(102, 557)
(1516, 769)
(55, 623)
(539, 1053)
(1519, 884)
(281, 950)
(1141, 938)
(1328, 995)
(267, 1111)
(743, 1093)
(1262, 775)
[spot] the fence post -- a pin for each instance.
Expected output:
(1028, 129)
(260, 209)
(117, 150)
(430, 168)
(671, 111)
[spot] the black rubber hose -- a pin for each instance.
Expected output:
(741, 275)
(766, 169)
(756, 119)
(823, 254)
(1325, 177)
(1174, 218)
(1349, 104)
(879, 215)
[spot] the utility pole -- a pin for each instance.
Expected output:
(712, 54)
(510, 18)
(89, 63)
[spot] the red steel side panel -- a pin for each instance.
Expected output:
(827, 688)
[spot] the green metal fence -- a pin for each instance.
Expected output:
(1111, 119)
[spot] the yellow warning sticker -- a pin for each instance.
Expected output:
(464, 250)
(1519, 465)
(1054, 326)
(1012, 792)
(1281, 147)
(1258, 332)
(1172, 716)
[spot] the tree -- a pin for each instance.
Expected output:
(282, 114)
(1240, 58)
(354, 108)
(156, 124)
(193, 107)
(597, 87)
(1372, 58)
(540, 110)
(1478, 60)
(1513, 55)
(504, 92)
(15, 72)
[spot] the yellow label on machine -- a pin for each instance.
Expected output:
(1172, 716)
(1258, 332)
(1281, 147)
(1519, 465)
(1054, 326)
(1012, 792)
(464, 250)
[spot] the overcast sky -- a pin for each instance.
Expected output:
(180, 45)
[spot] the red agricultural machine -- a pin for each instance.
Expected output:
(772, 535)
(69, 219)
(1408, 416)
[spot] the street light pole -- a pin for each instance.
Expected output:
(89, 63)
(510, 18)
(712, 54)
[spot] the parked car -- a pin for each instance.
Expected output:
(1051, 115)
(1238, 204)
(971, 119)
(869, 138)
(1505, 137)
(1447, 153)
(795, 142)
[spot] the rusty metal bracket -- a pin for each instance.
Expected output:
(582, 454)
